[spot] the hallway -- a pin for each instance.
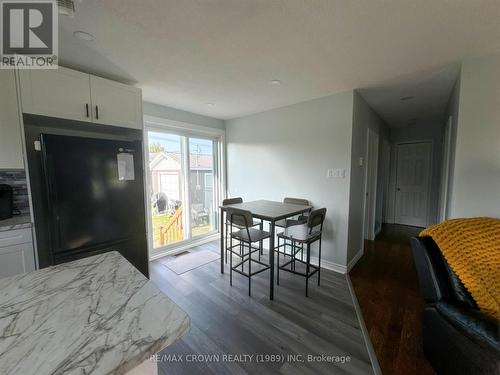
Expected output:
(386, 285)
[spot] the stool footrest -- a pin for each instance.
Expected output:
(266, 267)
(312, 266)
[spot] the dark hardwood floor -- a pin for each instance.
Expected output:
(225, 320)
(386, 285)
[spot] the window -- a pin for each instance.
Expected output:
(184, 184)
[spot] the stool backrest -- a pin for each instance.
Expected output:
(299, 201)
(229, 201)
(316, 217)
(239, 217)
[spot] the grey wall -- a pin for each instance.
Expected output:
(475, 189)
(433, 131)
(287, 151)
(183, 116)
(363, 118)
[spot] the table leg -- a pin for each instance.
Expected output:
(221, 228)
(271, 260)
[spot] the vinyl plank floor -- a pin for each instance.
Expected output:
(226, 322)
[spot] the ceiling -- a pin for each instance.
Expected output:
(189, 53)
(415, 99)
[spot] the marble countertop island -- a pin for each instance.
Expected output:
(97, 315)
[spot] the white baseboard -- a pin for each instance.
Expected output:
(369, 346)
(339, 268)
(354, 260)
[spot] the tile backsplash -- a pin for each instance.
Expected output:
(17, 179)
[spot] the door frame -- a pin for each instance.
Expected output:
(429, 183)
(445, 170)
(386, 183)
(369, 208)
(187, 130)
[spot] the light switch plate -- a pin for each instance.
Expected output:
(335, 173)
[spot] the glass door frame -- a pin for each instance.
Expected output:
(185, 130)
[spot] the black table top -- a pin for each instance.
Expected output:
(270, 210)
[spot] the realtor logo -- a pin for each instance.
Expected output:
(28, 34)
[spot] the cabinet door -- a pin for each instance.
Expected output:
(116, 104)
(16, 259)
(61, 92)
(11, 151)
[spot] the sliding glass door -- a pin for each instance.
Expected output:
(182, 185)
(201, 185)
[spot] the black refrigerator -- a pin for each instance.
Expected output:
(94, 198)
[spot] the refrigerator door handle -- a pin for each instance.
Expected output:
(87, 109)
(97, 112)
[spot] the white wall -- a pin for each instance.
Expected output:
(287, 151)
(433, 131)
(363, 118)
(475, 189)
(157, 110)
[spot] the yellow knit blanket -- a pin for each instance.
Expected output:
(472, 249)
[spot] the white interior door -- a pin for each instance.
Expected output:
(412, 183)
(371, 184)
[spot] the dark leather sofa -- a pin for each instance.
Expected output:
(457, 337)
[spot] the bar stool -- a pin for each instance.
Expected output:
(306, 234)
(255, 223)
(287, 222)
(245, 236)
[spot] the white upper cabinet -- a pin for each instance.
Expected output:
(73, 95)
(11, 151)
(114, 103)
(62, 92)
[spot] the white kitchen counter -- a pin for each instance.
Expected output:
(97, 315)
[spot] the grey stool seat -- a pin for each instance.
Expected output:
(306, 234)
(246, 236)
(252, 235)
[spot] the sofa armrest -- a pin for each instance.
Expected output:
(474, 323)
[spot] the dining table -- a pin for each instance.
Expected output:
(265, 210)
